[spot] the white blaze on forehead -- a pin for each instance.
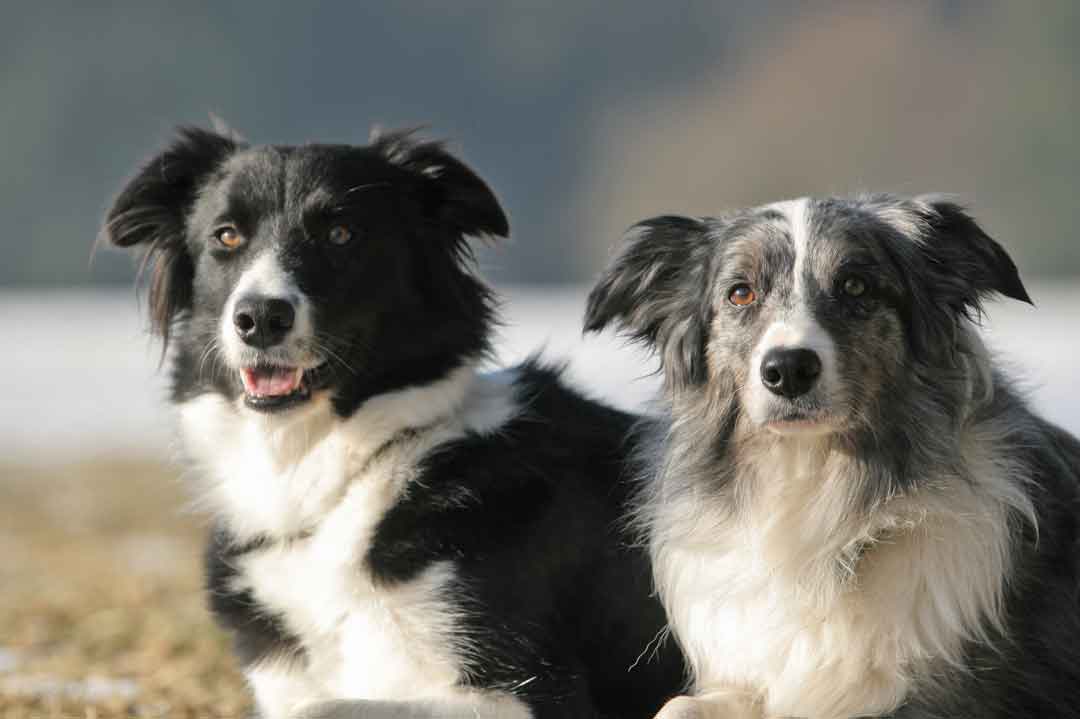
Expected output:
(266, 277)
(797, 213)
(794, 326)
(798, 330)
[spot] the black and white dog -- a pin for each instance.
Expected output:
(851, 512)
(397, 534)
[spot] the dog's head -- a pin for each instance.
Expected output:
(280, 271)
(811, 316)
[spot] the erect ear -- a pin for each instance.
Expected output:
(966, 263)
(151, 211)
(655, 292)
(456, 197)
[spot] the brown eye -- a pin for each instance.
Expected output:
(742, 295)
(229, 237)
(854, 286)
(339, 235)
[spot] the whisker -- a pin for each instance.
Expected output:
(212, 349)
(364, 187)
(324, 344)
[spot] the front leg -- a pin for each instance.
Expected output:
(280, 688)
(721, 704)
(475, 707)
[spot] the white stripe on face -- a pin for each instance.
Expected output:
(267, 278)
(797, 213)
(795, 325)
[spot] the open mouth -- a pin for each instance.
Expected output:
(801, 423)
(271, 388)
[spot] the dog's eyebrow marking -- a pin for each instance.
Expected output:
(858, 261)
(321, 200)
(318, 200)
(236, 211)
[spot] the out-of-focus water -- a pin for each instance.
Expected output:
(79, 375)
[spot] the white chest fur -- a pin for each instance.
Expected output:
(815, 609)
(362, 641)
(317, 487)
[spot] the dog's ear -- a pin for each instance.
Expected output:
(967, 264)
(150, 214)
(655, 292)
(454, 195)
(950, 266)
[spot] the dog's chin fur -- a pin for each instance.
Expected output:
(915, 556)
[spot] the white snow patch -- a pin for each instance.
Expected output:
(79, 375)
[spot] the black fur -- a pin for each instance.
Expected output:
(151, 213)
(654, 287)
(257, 634)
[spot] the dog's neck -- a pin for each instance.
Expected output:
(277, 476)
(812, 508)
(796, 505)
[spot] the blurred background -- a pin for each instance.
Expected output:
(584, 117)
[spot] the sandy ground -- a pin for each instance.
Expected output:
(101, 609)
(101, 612)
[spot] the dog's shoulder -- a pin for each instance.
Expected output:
(558, 456)
(257, 633)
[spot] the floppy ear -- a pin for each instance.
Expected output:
(150, 214)
(655, 291)
(950, 265)
(967, 264)
(454, 195)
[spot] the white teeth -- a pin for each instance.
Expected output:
(298, 376)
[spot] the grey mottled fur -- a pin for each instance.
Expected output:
(914, 378)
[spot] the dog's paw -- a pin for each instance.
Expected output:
(718, 705)
(684, 707)
(328, 710)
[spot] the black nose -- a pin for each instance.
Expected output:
(790, 373)
(263, 321)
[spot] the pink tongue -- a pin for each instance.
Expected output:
(276, 382)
